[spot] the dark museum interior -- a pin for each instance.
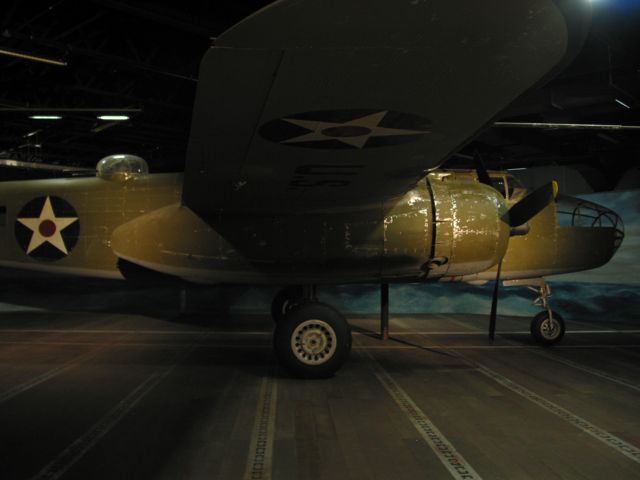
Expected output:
(292, 309)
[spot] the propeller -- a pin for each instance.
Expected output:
(518, 215)
(532, 204)
(483, 175)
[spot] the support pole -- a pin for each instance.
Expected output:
(310, 292)
(183, 299)
(384, 311)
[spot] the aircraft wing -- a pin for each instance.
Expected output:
(332, 103)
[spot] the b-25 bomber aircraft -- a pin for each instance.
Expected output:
(317, 133)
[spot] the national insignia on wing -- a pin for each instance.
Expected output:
(346, 129)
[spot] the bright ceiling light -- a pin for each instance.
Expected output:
(45, 117)
(113, 118)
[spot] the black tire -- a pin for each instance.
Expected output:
(313, 340)
(285, 300)
(541, 331)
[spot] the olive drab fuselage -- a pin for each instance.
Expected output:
(449, 227)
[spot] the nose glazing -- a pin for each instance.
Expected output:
(576, 212)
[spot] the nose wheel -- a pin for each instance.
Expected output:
(312, 340)
(547, 327)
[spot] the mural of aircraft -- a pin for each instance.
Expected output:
(317, 133)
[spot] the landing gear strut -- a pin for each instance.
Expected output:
(311, 339)
(547, 327)
(285, 300)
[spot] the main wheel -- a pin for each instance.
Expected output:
(546, 331)
(313, 340)
(285, 300)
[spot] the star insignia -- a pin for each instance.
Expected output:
(354, 133)
(47, 228)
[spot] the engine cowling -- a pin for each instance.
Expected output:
(455, 227)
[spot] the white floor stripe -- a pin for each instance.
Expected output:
(134, 332)
(585, 368)
(34, 382)
(261, 448)
(452, 460)
(48, 375)
(625, 448)
(391, 346)
(74, 452)
(264, 332)
(544, 352)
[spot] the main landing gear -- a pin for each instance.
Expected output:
(547, 327)
(311, 339)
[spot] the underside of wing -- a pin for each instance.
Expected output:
(313, 104)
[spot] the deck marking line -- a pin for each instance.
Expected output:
(585, 368)
(259, 460)
(359, 347)
(34, 382)
(453, 461)
(605, 437)
(74, 452)
(43, 377)
(592, 371)
(258, 333)
(137, 332)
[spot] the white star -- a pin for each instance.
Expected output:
(47, 228)
(355, 133)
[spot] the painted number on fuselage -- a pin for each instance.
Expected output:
(313, 176)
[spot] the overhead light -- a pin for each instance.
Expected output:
(33, 58)
(620, 102)
(114, 118)
(516, 169)
(45, 117)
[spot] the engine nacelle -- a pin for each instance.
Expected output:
(455, 227)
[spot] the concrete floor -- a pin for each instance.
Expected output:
(117, 395)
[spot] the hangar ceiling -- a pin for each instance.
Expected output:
(141, 59)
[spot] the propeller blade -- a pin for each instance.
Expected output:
(532, 204)
(481, 171)
(494, 304)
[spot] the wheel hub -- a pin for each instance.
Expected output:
(314, 342)
(550, 328)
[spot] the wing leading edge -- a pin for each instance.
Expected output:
(313, 104)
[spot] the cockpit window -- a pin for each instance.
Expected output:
(515, 187)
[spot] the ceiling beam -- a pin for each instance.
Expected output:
(172, 18)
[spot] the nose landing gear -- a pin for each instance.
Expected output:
(547, 327)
